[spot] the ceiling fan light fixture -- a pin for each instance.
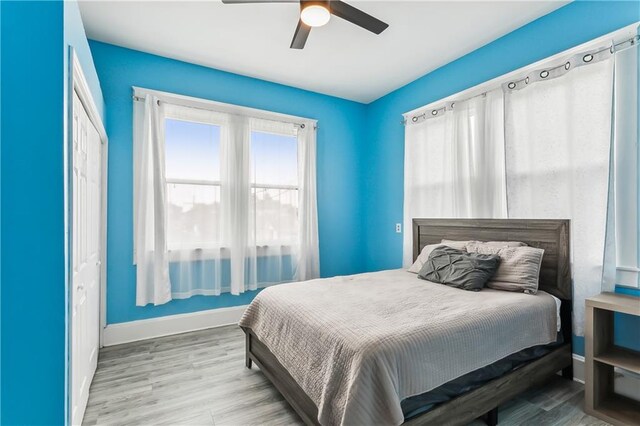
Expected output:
(315, 15)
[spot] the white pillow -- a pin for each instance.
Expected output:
(519, 268)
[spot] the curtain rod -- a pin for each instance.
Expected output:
(617, 47)
(301, 125)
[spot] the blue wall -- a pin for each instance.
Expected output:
(0, 216)
(627, 327)
(32, 231)
(355, 175)
(35, 40)
(340, 152)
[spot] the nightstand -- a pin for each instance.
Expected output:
(602, 356)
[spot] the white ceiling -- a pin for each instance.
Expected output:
(339, 59)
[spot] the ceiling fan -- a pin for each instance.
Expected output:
(317, 13)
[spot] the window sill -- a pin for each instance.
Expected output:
(225, 290)
(628, 276)
(223, 253)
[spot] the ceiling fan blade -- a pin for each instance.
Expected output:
(300, 36)
(358, 17)
(258, 1)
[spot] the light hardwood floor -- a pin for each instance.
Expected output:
(199, 378)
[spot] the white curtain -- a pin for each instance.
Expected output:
(558, 142)
(150, 238)
(250, 224)
(198, 260)
(308, 266)
(267, 200)
(454, 164)
(571, 152)
(235, 203)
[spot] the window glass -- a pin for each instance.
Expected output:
(192, 158)
(274, 159)
(274, 173)
(193, 186)
(192, 150)
(192, 210)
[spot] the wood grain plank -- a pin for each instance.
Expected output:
(228, 393)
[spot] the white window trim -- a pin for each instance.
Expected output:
(217, 183)
(208, 250)
(222, 253)
(628, 277)
(188, 101)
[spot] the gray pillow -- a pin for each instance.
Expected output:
(459, 269)
(426, 251)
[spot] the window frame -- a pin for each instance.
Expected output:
(213, 247)
(174, 253)
(222, 108)
(267, 186)
(626, 169)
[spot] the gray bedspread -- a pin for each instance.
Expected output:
(358, 345)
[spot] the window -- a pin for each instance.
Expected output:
(192, 158)
(224, 198)
(274, 180)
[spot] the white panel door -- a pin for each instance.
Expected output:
(85, 230)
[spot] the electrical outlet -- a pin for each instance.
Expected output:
(398, 228)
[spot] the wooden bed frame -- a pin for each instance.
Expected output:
(555, 278)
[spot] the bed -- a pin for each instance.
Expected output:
(354, 350)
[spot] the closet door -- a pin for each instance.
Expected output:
(85, 230)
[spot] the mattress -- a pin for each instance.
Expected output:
(420, 404)
(359, 345)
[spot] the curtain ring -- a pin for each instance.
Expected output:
(434, 112)
(567, 65)
(544, 74)
(452, 104)
(526, 80)
(588, 57)
(511, 85)
(302, 126)
(414, 119)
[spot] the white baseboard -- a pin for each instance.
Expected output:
(115, 334)
(625, 382)
(578, 368)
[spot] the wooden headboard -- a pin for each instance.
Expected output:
(548, 234)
